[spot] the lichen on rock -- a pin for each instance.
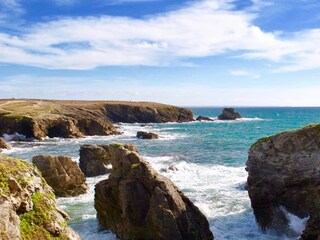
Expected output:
(28, 208)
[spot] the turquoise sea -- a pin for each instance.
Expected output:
(209, 160)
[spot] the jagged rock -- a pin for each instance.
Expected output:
(136, 202)
(204, 118)
(94, 160)
(147, 135)
(62, 174)
(28, 208)
(4, 145)
(284, 171)
(229, 114)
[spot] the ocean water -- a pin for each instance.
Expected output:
(210, 160)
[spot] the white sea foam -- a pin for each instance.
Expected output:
(14, 137)
(295, 223)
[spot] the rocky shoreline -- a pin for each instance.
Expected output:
(71, 119)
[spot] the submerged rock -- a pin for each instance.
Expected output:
(284, 171)
(4, 144)
(204, 118)
(136, 202)
(94, 160)
(229, 114)
(62, 174)
(28, 208)
(147, 135)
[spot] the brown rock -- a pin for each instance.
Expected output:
(138, 203)
(147, 135)
(94, 160)
(62, 174)
(229, 114)
(30, 212)
(204, 118)
(284, 170)
(4, 144)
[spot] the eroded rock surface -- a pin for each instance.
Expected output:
(62, 174)
(94, 160)
(284, 171)
(136, 202)
(28, 208)
(229, 114)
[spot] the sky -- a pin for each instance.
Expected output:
(181, 52)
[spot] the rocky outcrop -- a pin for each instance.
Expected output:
(147, 113)
(62, 174)
(138, 203)
(229, 114)
(94, 160)
(68, 119)
(147, 135)
(204, 118)
(4, 144)
(28, 208)
(284, 171)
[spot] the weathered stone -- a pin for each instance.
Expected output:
(62, 174)
(284, 171)
(204, 118)
(136, 202)
(31, 211)
(229, 114)
(4, 145)
(94, 160)
(147, 135)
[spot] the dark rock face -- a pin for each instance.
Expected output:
(229, 114)
(94, 160)
(284, 170)
(28, 208)
(4, 144)
(204, 118)
(138, 203)
(147, 135)
(62, 174)
(147, 114)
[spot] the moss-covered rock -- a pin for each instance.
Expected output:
(28, 208)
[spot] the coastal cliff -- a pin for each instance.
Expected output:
(28, 208)
(284, 172)
(45, 118)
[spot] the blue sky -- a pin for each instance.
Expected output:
(188, 53)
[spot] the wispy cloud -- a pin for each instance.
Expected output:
(200, 29)
(244, 73)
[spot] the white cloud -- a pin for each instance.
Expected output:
(244, 73)
(201, 29)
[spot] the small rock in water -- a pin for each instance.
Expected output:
(229, 114)
(147, 135)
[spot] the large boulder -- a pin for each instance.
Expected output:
(4, 145)
(28, 208)
(94, 160)
(284, 172)
(229, 114)
(136, 202)
(62, 174)
(147, 135)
